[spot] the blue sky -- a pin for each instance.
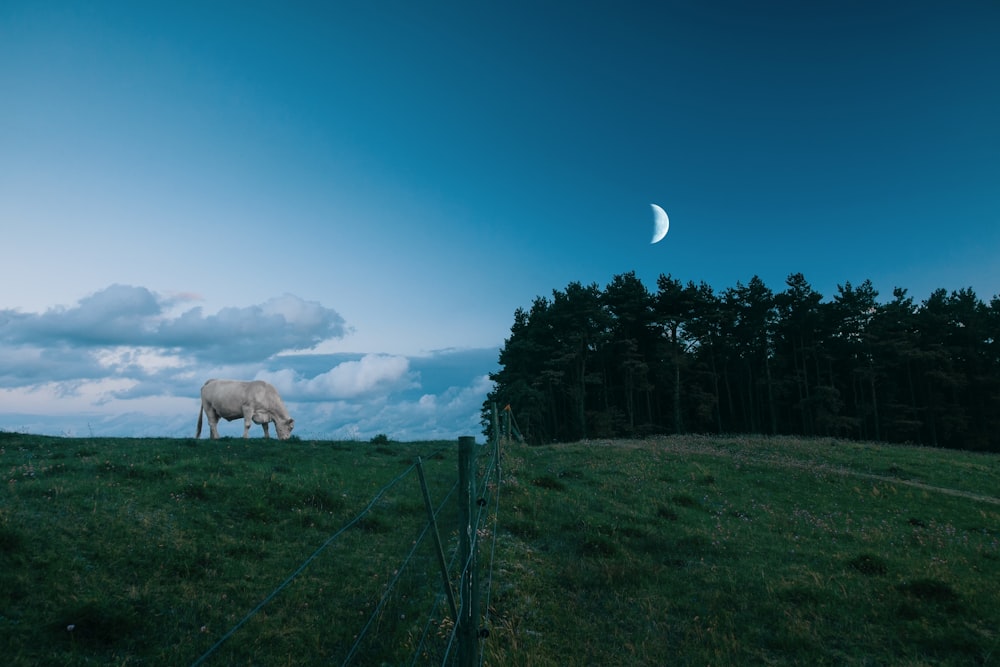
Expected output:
(350, 199)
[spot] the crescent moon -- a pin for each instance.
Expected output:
(661, 223)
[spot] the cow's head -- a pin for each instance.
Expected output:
(284, 427)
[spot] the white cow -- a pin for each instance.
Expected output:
(256, 402)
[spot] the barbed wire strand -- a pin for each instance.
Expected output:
(454, 628)
(385, 596)
(468, 563)
(302, 567)
(451, 639)
(438, 600)
(461, 600)
(493, 553)
(392, 584)
(439, 450)
(451, 566)
(441, 594)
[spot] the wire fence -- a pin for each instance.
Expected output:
(415, 617)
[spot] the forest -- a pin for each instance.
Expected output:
(627, 362)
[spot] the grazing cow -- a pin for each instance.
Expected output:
(256, 402)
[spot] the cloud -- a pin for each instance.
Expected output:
(53, 398)
(373, 373)
(134, 316)
(453, 412)
(30, 364)
(113, 316)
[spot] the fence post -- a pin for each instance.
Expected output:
(506, 421)
(496, 424)
(468, 632)
(437, 541)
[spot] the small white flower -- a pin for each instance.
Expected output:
(70, 628)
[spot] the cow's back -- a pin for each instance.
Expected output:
(225, 397)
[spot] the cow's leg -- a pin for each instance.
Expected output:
(266, 434)
(213, 423)
(247, 420)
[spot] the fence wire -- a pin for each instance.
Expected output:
(486, 492)
(493, 546)
(483, 504)
(440, 598)
(303, 566)
(392, 583)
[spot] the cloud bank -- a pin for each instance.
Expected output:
(123, 315)
(127, 361)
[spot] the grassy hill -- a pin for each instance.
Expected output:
(750, 551)
(681, 550)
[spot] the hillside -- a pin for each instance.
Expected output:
(751, 551)
(680, 550)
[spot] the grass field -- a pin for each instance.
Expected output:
(701, 551)
(681, 551)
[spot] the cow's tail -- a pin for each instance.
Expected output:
(201, 411)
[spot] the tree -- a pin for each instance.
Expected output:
(673, 308)
(520, 380)
(622, 361)
(579, 323)
(753, 311)
(851, 343)
(799, 337)
(895, 353)
(632, 345)
(705, 330)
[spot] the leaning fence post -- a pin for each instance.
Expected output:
(468, 633)
(437, 541)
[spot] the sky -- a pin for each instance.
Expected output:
(351, 199)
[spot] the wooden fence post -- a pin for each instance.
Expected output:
(506, 421)
(468, 630)
(437, 541)
(496, 424)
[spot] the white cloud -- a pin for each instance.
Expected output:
(372, 374)
(52, 398)
(307, 314)
(453, 412)
(145, 359)
(123, 315)
(122, 363)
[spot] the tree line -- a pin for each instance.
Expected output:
(628, 362)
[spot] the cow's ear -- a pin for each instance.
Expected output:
(291, 422)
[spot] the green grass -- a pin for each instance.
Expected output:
(697, 551)
(680, 551)
(146, 551)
